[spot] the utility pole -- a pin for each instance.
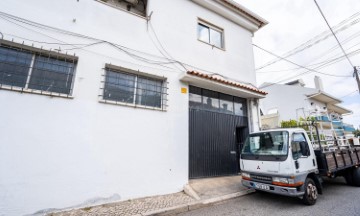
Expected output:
(357, 77)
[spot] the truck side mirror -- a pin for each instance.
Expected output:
(304, 148)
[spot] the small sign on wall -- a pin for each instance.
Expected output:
(184, 90)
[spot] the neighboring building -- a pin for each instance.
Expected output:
(294, 101)
(111, 100)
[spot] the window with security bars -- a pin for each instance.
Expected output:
(35, 71)
(133, 89)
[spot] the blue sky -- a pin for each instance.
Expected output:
(294, 23)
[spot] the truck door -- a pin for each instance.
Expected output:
(304, 158)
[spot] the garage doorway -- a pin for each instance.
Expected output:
(218, 125)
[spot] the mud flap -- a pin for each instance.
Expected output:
(318, 182)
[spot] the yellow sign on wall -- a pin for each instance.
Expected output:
(184, 90)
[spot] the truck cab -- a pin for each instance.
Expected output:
(281, 161)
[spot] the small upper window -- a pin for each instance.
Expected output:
(27, 69)
(211, 34)
(133, 89)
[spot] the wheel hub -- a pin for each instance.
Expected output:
(312, 191)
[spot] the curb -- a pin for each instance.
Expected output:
(197, 204)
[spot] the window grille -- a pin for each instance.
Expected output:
(138, 90)
(28, 69)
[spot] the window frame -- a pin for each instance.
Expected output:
(213, 27)
(136, 74)
(299, 153)
(199, 93)
(138, 14)
(36, 53)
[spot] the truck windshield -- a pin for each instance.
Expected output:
(268, 144)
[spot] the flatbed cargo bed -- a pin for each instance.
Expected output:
(330, 163)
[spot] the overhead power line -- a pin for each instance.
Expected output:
(349, 94)
(300, 66)
(317, 39)
(318, 65)
(327, 23)
(330, 60)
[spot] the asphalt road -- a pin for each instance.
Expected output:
(337, 199)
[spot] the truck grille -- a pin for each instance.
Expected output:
(261, 178)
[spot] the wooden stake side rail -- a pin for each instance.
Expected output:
(331, 162)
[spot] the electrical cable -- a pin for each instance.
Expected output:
(44, 42)
(157, 38)
(327, 23)
(315, 40)
(322, 64)
(349, 94)
(44, 27)
(120, 47)
(309, 69)
(99, 41)
(348, 39)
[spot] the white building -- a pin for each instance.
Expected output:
(294, 101)
(95, 98)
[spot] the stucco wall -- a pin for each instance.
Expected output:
(58, 152)
(289, 100)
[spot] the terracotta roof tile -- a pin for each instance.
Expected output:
(226, 82)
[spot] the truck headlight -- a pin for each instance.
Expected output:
(280, 180)
(286, 182)
(245, 176)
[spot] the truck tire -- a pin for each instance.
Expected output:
(349, 178)
(356, 177)
(311, 192)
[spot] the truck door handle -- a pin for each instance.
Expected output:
(232, 152)
(314, 162)
(297, 165)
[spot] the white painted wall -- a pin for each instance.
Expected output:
(288, 99)
(57, 152)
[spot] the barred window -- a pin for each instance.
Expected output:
(14, 67)
(134, 89)
(35, 71)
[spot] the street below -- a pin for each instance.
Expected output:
(337, 199)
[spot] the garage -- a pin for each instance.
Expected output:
(218, 124)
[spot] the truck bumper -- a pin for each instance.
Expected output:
(286, 191)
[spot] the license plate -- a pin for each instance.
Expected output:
(261, 186)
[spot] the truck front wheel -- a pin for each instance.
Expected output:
(356, 177)
(311, 192)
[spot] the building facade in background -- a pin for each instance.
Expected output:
(109, 100)
(294, 101)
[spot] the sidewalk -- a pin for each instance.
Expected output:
(208, 191)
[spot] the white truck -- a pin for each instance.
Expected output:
(286, 162)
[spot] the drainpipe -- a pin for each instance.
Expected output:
(258, 113)
(250, 119)
(253, 104)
